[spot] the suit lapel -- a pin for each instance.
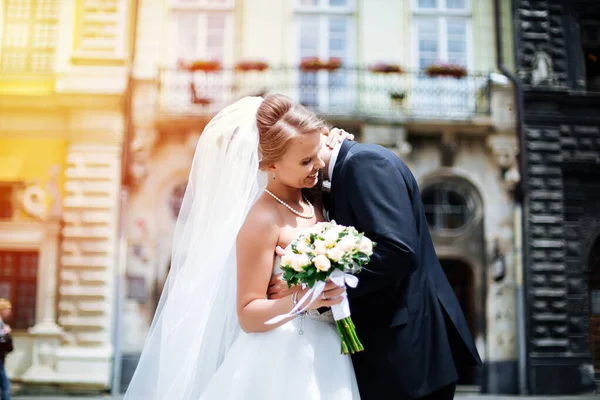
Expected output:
(338, 170)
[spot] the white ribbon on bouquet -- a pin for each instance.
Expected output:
(340, 311)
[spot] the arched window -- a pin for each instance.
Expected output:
(450, 206)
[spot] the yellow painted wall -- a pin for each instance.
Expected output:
(33, 158)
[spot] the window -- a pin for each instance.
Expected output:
(325, 29)
(29, 36)
(18, 283)
(442, 32)
(448, 206)
(202, 30)
(199, 30)
(590, 41)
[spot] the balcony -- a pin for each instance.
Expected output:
(346, 93)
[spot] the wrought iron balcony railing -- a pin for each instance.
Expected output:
(346, 92)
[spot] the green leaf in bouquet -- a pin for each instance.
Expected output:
(289, 277)
(361, 258)
(338, 265)
(322, 275)
(301, 276)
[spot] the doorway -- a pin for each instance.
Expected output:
(460, 276)
(594, 287)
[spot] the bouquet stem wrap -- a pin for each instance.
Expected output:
(341, 312)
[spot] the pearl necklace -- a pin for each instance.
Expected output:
(298, 213)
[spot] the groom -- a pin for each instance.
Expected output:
(407, 316)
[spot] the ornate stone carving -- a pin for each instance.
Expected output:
(505, 150)
(141, 150)
(87, 263)
(43, 204)
(542, 71)
(448, 147)
(33, 201)
(403, 147)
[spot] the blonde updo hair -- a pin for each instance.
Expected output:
(279, 120)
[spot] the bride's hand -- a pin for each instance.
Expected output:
(332, 295)
(337, 135)
(278, 288)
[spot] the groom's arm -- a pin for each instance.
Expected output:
(382, 208)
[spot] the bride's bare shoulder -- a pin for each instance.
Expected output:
(262, 219)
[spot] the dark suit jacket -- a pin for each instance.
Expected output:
(406, 313)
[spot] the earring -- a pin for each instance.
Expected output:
(273, 176)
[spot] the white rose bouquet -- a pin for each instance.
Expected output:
(327, 251)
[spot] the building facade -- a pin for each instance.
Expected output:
(375, 68)
(63, 76)
(557, 60)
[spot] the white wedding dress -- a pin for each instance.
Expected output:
(194, 349)
(300, 360)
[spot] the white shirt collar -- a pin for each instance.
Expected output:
(332, 161)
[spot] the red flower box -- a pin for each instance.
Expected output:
(200, 65)
(310, 64)
(251, 66)
(383, 68)
(452, 70)
(313, 64)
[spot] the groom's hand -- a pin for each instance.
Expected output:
(337, 135)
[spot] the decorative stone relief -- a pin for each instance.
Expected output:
(448, 148)
(542, 71)
(403, 147)
(33, 201)
(87, 263)
(141, 150)
(505, 149)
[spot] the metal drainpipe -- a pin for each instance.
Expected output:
(120, 259)
(519, 196)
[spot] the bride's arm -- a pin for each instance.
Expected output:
(256, 243)
(255, 255)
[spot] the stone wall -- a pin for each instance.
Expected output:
(562, 136)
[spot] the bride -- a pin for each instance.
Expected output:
(208, 339)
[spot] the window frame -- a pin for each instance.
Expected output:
(201, 9)
(462, 188)
(442, 9)
(323, 7)
(323, 13)
(442, 39)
